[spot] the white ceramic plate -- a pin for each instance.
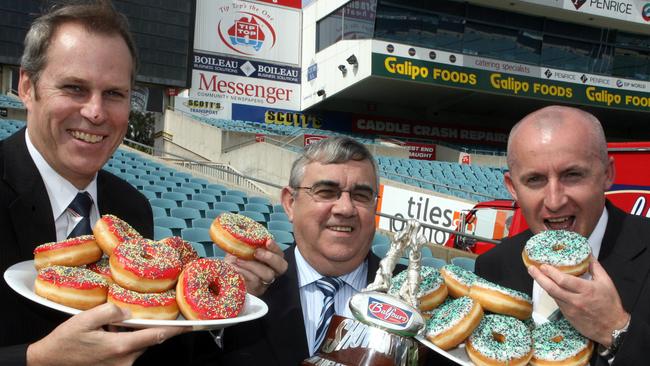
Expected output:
(20, 277)
(457, 354)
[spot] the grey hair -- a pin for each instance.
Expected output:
(555, 117)
(332, 150)
(97, 17)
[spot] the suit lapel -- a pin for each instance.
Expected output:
(31, 204)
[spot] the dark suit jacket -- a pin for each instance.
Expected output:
(625, 256)
(26, 221)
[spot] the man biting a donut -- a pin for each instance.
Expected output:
(559, 171)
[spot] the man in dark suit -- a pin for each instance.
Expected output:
(76, 76)
(558, 173)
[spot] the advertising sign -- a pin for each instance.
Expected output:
(290, 3)
(420, 151)
(243, 90)
(426, 208)
(374, 125)
(248, 68)
(254, 30)
(310, 139)
(624, 96)
(213, 108)
(281, 117)
(631, 189)
(464, 158)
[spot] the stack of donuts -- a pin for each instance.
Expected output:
(154, 280)
(495, 322)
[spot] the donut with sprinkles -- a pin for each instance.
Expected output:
(238, 235)
(71, 252)
(76, 287)
(142, 265)
(565, 250)
(501, 300)
(157, 305)
(458, 279)
(500, 340)
(186, 252)
(451, 323)
(559, 344)
(110, 231)
(210, 288)
(102, 268)
(432, 291)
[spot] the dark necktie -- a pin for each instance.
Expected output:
(328, 286)
(80, 207)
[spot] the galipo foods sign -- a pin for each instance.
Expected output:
(509, 84)
(254, 30)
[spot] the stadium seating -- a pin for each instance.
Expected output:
(173, 223)
(464, 262)
(280, 225)
(282, 236)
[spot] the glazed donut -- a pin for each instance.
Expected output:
(102, 268)
(565, 250)
(142, 265)
(500, 340)
(559, 344)
(238, 235)
(453, 322)
(457, 279)
(186, 252)
(109, 231)
(76, 287)
(71, 252)
(432, 291)
(160, 305)
(210, 288)
(501, 300)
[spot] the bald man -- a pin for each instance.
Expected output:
(559, 171)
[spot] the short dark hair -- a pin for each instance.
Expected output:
(97, 17)
(332, 150)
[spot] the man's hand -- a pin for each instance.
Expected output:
(260, 273)
(593, 306)
(81, 340)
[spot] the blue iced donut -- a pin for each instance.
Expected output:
(565, 250)
(500, 340)
(558, 343)
(458, 279)
(432, 290)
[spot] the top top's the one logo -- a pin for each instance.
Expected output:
(578, 3)
(247, 34)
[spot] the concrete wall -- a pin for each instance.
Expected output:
(182, 135)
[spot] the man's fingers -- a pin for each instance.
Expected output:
(547, 284)
(564, 281)
(143, 338)
(102, 315)
(274, 261)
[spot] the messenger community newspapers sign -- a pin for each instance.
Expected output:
(549, 84)
(427, 209)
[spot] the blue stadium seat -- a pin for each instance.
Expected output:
(163, 203)
(138, 183)
(198, 205)
(163, 174)
(187, 214)
(160, 232)
(212, 192)
(199, 248)
(188, 192)
(202, 223)
(201, 181)
(258, 207)
(217, 251)
(280, 225)
(183, 175)
(209, 199)
(173, 223)
(257, 216)
(278, 208)
(169, 185)
(197, 187)
(218, 187)
(175, 196)
(260, 200)
(227, 206)
(175, 179)
(279, 216)
(156, 189)
(126, 176)
(234, 192)
(281, 236)
(201, 236)
(433, 262)
(212, 214)
(136, 172)
(380, 238)
(158, 211)
(380, 250)
(464, 262)
(284, 246)
(234, 199)
(149, 177)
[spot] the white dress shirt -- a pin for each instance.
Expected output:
(61, 193)
(311, 298)
(595, 241)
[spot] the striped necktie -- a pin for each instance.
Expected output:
(328, 286)
(80, 207)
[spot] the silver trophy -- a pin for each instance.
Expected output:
(383, 331)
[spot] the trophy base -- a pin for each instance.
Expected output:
(350, 342)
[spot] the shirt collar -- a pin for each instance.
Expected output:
(308, 275)
(60, 191)
(596, 237)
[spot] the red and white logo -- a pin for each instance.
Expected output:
(247, 33)
(387, 312)
(578, 3)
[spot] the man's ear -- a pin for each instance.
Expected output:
(507, 181)
(26, 89)
(287, 199)
(610, 173)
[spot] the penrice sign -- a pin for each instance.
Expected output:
(623, 94)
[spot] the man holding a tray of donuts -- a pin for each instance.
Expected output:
(559, 171)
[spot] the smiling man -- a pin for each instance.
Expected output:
(77, 71)
(558, 173)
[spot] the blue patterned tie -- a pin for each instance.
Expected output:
(80, 206)
(328, 286)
